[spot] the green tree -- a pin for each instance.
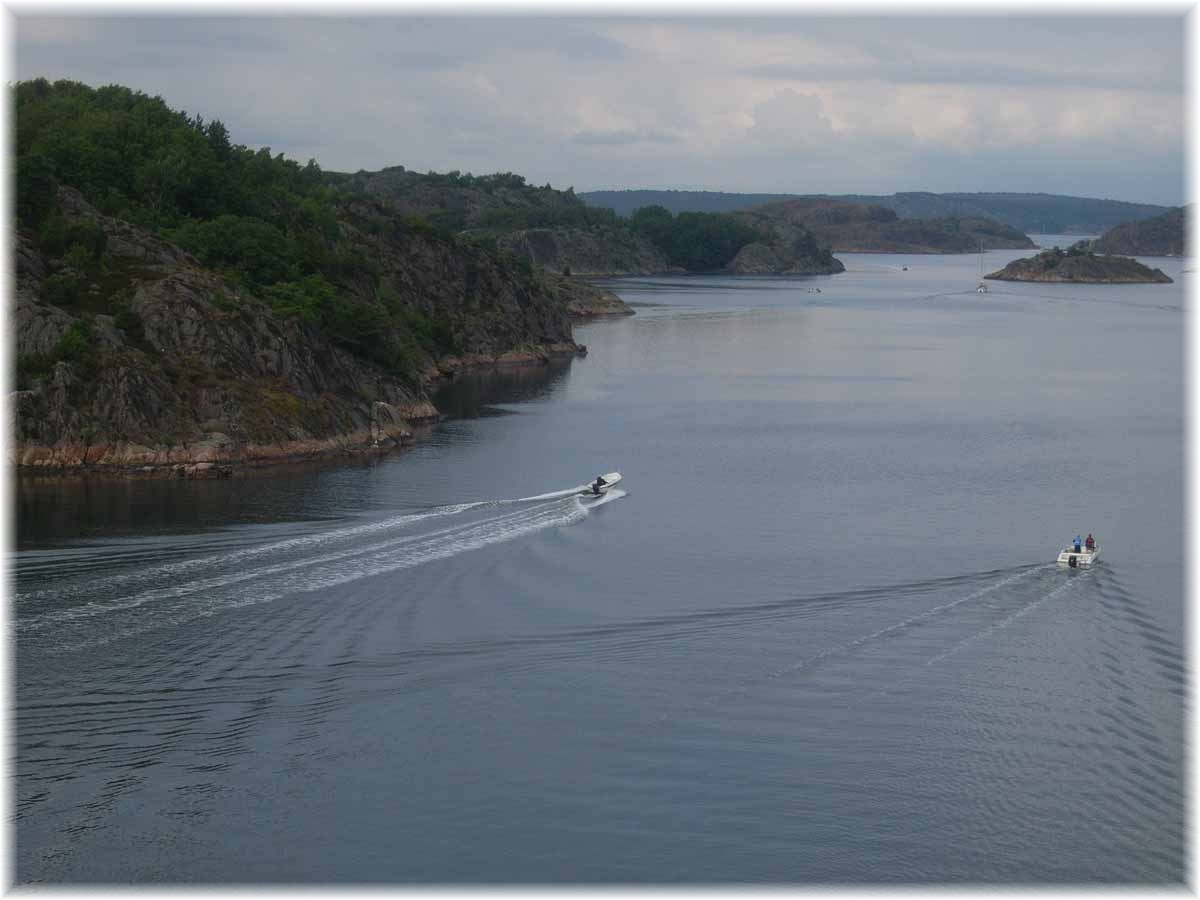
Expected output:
(36, 188)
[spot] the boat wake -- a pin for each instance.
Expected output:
(1026, 587)
(82, 610)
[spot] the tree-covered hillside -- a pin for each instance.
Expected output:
(178, 293)
(264, 222)
(1164, 235)
(499, 202)
(279, 231)
(698, 242)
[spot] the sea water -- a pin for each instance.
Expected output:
(816, 636)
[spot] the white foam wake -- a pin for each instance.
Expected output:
(182, 568)
(553, 495)
(271, 571)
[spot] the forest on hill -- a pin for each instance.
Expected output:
(1028, 212)
(181, 296)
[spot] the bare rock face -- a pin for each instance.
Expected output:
(38, 327)
(783, 257)
(125, 240)
(31, 268)
(759, 258)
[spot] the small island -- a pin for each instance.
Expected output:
(1080, 265)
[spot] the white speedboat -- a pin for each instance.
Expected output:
(1083, 557)
(601, 485)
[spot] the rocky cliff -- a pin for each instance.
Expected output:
(588, 301)
(788, 247)
(594, 251)
(780, 256)
(1164, 235)
(159, 364)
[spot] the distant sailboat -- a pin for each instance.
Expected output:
(983, 288)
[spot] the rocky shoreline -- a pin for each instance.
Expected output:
(159, 366)
(219, 456)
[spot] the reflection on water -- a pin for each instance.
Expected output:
(56, 508)
(470, 394)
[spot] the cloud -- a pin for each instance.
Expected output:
(790, 118)
(625, 136)
(784, 103)
(1044, 74)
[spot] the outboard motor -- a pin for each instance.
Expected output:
(1071, 561)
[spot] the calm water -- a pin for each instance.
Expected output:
(816, 639)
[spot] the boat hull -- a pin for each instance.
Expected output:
(610, 480)
(1074, 560)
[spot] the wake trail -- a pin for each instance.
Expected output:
(553, 495)
(1012, 617)
(1003, 623)
(202, 586)
(226, 580)
(93, 584)
(876, 635)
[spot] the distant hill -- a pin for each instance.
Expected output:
(1030, 213)
(1164, 235)
(862, 228)
(625, 203)
(556, 231)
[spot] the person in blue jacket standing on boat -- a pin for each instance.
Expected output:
(1078, 542)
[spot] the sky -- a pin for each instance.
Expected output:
(778, 101)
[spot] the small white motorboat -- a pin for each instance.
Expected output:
(601, 485)
(1073, 558)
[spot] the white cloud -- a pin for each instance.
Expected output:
(791, 119)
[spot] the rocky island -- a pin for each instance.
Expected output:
(1079, 265)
